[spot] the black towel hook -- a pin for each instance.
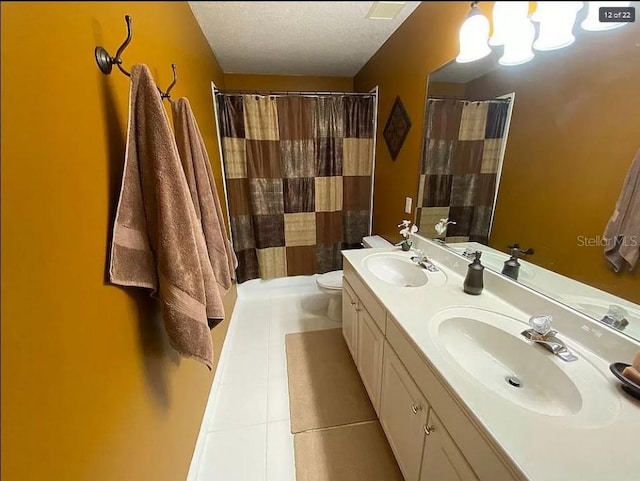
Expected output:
(106, 61)
(167, 94)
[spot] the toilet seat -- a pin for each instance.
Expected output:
(331, 280)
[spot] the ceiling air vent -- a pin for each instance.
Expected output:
(385, 10)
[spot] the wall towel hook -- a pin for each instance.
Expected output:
(106, 61)
(167, 94)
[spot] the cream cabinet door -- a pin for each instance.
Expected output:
(403, 414)
(441, 460)
(370, 345)
(350, 318)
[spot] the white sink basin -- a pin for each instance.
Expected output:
(489, 349)
(396, 270)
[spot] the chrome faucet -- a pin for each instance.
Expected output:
(423, 261)
(541, 333)
(616, 317)
(469, 253)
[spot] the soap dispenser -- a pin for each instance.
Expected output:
(474, 282)
(512, 266)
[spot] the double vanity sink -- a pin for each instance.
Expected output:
(490, 349)
(548, 416)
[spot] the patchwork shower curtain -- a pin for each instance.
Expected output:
(298, 173)
(461, 158)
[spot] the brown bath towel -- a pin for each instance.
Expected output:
(197, 169)
(157, 239)
(623, 231)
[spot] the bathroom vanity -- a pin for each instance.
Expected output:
(462, 395)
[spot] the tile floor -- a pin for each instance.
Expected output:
(245, 434)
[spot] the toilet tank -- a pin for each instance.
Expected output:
(375, 241)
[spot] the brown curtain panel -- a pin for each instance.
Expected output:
(298, 171)
(460, 166)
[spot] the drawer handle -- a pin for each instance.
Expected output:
(428, 430)
(416, 408)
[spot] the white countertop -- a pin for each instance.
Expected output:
(598, 443)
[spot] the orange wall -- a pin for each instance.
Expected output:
(424, 42)
(234, 81)
(574, 131)
(90, 390)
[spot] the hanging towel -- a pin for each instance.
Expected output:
(622, 234)
(157, 239)
(197, 169)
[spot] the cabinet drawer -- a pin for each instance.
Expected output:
(365, 297)
(477, 448)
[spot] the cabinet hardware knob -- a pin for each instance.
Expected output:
(428, 429)
(357, 309)
(353, 303)
(415, 408)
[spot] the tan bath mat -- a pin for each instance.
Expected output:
(324, 385)
(357, 452)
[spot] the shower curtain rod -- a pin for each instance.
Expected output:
(284, 93)
(440, 97)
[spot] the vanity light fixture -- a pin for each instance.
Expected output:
(513, 29)
(556, 24)
(506, 20)
(474, 36)
(593, 23)
(517, 48)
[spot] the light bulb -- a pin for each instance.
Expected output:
(517, 48)
(556, 24)
(593, 23)
(474, 37)
(506, 15)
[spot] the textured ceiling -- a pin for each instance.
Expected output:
(294, 38)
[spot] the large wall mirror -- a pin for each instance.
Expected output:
(532, 159)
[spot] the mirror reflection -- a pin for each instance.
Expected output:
(530, 164)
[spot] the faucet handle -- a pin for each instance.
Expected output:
(541, 324)
(418, 254)
(519, 250)
(469, 252)
(617, 313)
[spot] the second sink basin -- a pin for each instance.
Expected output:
(488, 347)
(523, 373)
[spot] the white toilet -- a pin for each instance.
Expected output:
(331, 282)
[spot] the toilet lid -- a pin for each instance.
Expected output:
(331, 280)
